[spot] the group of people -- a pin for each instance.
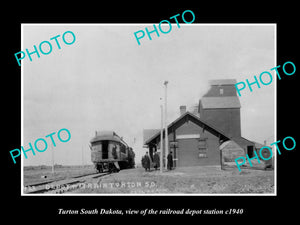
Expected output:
(146, 161)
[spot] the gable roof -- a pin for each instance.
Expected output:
(223, 82)
(191, 117)
(148, 133)
(220, 102)
(243, 142)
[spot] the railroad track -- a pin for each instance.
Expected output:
(61, 185)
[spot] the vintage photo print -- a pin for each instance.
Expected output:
(148, 109)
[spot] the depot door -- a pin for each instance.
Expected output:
(250, 151)
(187, 152)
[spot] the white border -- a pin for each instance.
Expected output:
(22, 111)
(141, 24)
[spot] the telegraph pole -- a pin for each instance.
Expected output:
(166, 126)
(52, 158)
(161, 137)
(82, 161)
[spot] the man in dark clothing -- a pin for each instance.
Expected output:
(170, 161)
(146, 162)
(156, 160)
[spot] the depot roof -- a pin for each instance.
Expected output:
(182, 119)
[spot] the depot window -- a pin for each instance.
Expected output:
(221, 91)
(202, 148)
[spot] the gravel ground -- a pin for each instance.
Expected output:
(42, 174)
(185, 180)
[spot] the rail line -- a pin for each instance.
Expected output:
(57, 179)
(60, 186)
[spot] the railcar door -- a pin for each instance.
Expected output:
(104, 149)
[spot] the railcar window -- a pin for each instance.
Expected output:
(123, 149)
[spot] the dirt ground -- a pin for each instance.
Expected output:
(39, 174)
(184, 180)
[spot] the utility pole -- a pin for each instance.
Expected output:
(166, 126)
(161, 137)
(52, 158)
(82, 156)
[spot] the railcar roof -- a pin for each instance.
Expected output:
(112, 136)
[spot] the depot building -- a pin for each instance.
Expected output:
(207, 135)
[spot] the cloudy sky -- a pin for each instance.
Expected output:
(106, 81)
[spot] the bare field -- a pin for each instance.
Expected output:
(37, 174)
(185, 180)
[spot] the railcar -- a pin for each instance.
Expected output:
(109, 152)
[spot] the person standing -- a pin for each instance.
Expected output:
(146, 161)
(170, 161)
(156, 160)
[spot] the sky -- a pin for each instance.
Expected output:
(106, 81)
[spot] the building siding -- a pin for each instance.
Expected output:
(226, 120)
(214, 91)
(187, 152)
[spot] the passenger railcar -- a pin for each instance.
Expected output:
(109, 152)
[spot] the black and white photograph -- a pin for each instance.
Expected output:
(151, 112)
(129, 109)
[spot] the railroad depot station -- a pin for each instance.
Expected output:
(208, 135)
